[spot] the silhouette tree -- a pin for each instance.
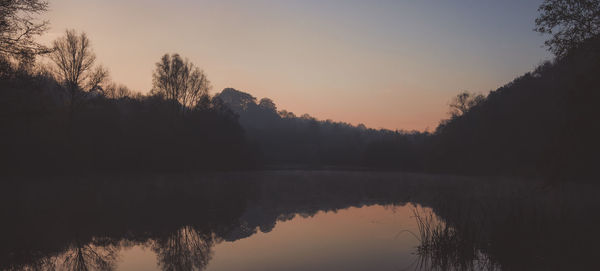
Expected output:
(114, 91)
(97, 78)
(463, 102)
(570, 22)
(237, 100)
(179, 81)
(18, 28)
(74, 59)
(268, 105)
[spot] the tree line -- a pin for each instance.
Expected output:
(69, 116)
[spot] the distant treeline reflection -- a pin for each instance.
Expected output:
(82, 224)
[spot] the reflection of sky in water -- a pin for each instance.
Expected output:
(285, 221)
(351, 239)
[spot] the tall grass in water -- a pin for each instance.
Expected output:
(494, 225)
(443, 247)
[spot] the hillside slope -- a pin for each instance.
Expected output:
(544, 123)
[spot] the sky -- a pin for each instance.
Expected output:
(386, 64)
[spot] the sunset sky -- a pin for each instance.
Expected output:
(387, 64)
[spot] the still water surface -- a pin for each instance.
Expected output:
(297, 220)
(364, 238)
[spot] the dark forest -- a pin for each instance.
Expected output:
(97, 176)
(67, 116)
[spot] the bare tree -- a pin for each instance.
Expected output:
(18, 28)
(179, 81)
(97, 78)
(570, 22)
(74, 59)
(114, 91)
(463, 102)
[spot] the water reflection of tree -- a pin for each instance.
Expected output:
(186, 249)
(79, 256)
(45, 263)
(91, 256)
(518, 226)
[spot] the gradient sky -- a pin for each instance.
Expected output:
(387, 64)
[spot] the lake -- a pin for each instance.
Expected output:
(357, 238)
(296, 220)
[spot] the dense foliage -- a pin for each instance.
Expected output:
(542, 123)
(69, 117)
(570, 22)
(290, 141)
(41, 132)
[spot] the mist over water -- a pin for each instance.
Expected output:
(180, 170)
(295, 220)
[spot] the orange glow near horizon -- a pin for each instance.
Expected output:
(392, 65)
(356, 238)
